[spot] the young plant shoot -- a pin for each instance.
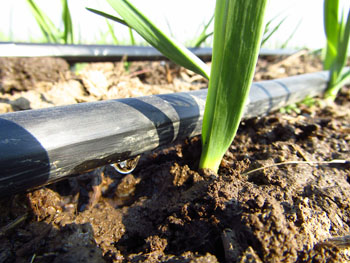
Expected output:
(238, 30)
(204, 35)
(50, 31)
(337, 35)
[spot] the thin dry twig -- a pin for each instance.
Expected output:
(341, 242)
(278, 64)
(297, 162)
(13, 224)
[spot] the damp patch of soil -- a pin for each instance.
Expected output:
(277, 196)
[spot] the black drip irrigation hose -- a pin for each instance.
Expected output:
(38, 147)
(99, 53)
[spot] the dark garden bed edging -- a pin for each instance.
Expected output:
(42, 146)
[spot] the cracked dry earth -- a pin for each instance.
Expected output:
(167, 210)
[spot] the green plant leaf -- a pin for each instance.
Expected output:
(202, 39)
(331, 28)
(132, 38)
(203, 35)
(238, 29)
(268, 33)
(345, 78)
(284, 45)
(68, 36)
(114, 18)
(343, 43)
(111, 31)
(48, 29)
(154, 36)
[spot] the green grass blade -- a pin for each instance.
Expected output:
(132, 38)
(331, 28)
(154, 36)
(68, 36)
(284, 45)
(202, 39)
(238, 29)
(114, 18)
(267, 26)
(267, 34)
(111, 32)
(343, 42)
(204, 35)
(345, 78)
(335, 84)
(48, 29)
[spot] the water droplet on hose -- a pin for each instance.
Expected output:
(126, 166)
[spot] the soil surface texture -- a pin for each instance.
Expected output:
(282, 193)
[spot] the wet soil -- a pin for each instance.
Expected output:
(278, 197)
